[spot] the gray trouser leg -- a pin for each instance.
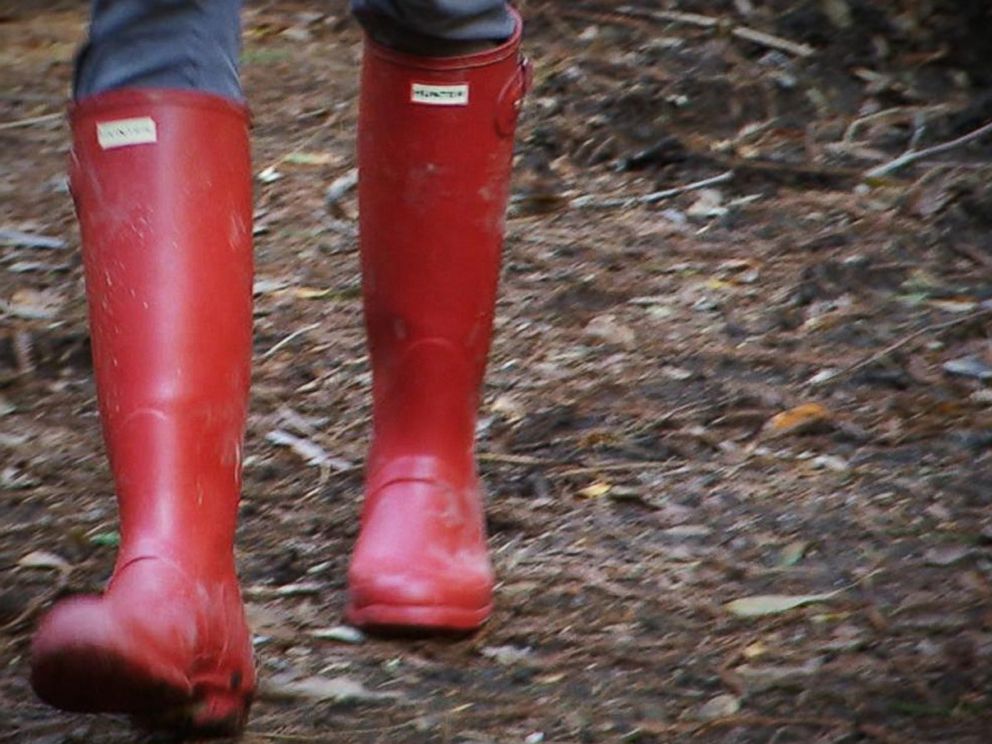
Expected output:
(451, 20)
(194, 44)
(189, 44)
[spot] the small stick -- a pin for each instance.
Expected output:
(340, 186)
(765, 721)
(872, 358)
(30, 121)
(620, 467)
(741, 32)
(772, 42)
(301, 589)
(20, 239)
(519, 460)
(575, 468)
(323, 737)
(895, 113)
(295, 334)
(23, 352)
(588, 201)
(911, 155)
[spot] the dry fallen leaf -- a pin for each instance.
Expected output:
(268, 621)
(722, 706)
(342, 633)
(312, 158)
(44, 559)
(799, 420)
(269, 175)
(688, 530)
(771, 604)
(709, 203)
(947, 555)
(770, 676)
(608, 329)
(311, 293)
(509, 407)
(33, 304)
(505, 655)
(792, 553)
(970, 366)
(595, 490)
(755, 650)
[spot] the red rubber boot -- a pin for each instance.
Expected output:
(434, 147)
(162, 184)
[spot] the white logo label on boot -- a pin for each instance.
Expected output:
(440, 95)
(123, 132)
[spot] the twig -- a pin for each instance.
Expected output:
(911, 155)
(741, 32)
(772, 42)
(573, 468)
(590, 202)
(20, 239)
(919, 129)
(310, 451)
(30, 121)
(295, 334)
(780, 169)
(340, 186)
(888, 115)
(603, 17)
(764, 721)
(520, 460)
(619, 467)
(673, 16)
(300, 589)
(934, 327)
(323, 737)
(971, 252)
(24, 352)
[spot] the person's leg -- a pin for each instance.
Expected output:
(161, 178)
(162, 44)
(435, 143)
(436, 27)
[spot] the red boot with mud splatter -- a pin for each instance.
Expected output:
(162, 184)
(435, 144)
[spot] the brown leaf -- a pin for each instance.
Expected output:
(802, 419)
(608, 329)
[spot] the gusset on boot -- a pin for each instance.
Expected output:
(435, 145)
(162, 184)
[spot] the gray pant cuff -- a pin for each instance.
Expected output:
(186, 44)
(450, 20)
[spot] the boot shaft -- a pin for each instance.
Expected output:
(162, 185)
(435, 146)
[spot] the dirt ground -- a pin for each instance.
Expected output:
(776, 384)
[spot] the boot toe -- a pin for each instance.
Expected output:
(468, 586)
(82, 662)
(421, 560)
(152, 656)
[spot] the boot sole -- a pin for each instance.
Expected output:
(417, 617)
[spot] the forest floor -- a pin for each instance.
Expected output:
(776, 384)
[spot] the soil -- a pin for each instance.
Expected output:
(774, 384)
